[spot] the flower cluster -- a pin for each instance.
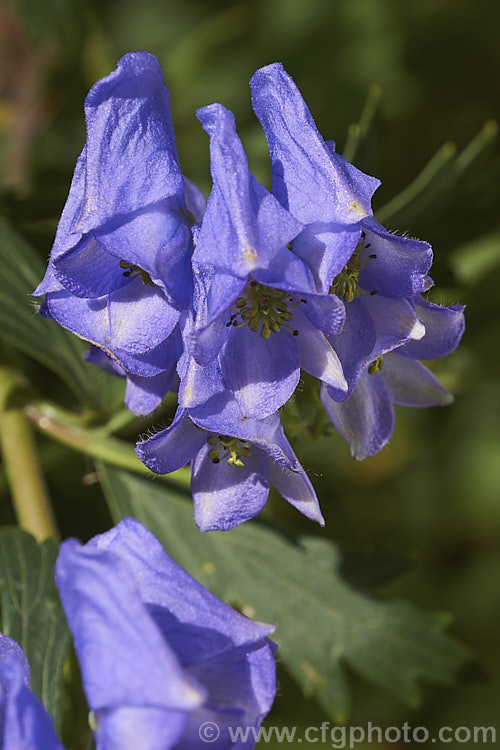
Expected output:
(160, 655)
(225, 302)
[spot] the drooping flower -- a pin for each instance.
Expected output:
(24, 722)
(366, 417)
(233, 463)
(350, 255)
(159, 654)
(119, 273)
(260, 314)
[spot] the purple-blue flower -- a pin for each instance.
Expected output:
(366, 417)
(260, 313)
(233, 463)
(24, 722)
(350, 255)
(119, 273)
(159, 654)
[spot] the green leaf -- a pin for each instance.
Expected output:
(324, 625)
(43, 339)
(31, 613)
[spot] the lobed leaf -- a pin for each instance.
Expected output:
(323, 625)
(31, 613)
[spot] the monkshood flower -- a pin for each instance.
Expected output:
(260, 314)
(119, 272)
(159, 654)
(24, 722)
(366, 417)
(374, 272)
(233, 463)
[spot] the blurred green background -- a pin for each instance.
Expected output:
(429, 504)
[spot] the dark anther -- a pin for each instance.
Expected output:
(126, 273)
(373, 255)
(216, 460)
(304, 301)
(368, 244)
(295, 333)
(253, 283)
(373, 293)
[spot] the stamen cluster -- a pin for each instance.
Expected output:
(346, 284)
(265, 308)
(232, 449)
(133, 270)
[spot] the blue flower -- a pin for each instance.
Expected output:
(24, 722)
(143, 394)
(349, 254)
(233, 462)
(159, 654)
(366, 417)
(119, 273)
(259, 312)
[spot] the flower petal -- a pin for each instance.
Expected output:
(310, 181)
(146, 727)
(366, 418)
(144, 395)
(288, 272)
(172, 448)
(225, 496)
(198, 383)
(261, 373)
(175, 597)
(444, 327)
(66, 237)
(296, 487)
(410, 383)
(395, 323)
(316, 354)
(325, 311)
(99, 358)
(124, 659)
(87, 318)
(131, 153)
(158, 240)
(88, 269)
(242, 685)
(401, 266)
(222, 416)
(140, 317)
(244, 225)
(24, 722)
(326, 248)
(353, 345)
(155, 361)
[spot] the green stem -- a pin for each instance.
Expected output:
(54, 422)
(358, 131)
(29, 494)
(437, 168)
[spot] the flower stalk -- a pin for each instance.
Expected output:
(60, 426)
(29, 493)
